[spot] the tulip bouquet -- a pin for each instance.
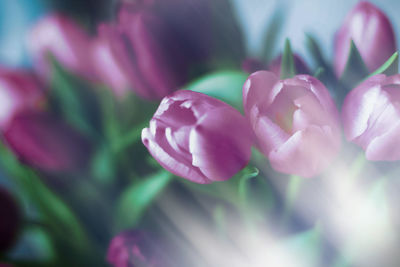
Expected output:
(152, 140)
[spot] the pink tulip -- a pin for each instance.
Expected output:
(61, 37)
(198, 137)
(295, 122)
(134, 248)
(371, 117)
(19, 90)
(372, 34)
(45, 142)
(107, 63)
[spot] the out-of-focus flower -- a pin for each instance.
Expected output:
(371, 117)
(372, 34)
(107, 63)
(10, 220)
(295, 121)
(156, 48)
(61, 37)
(134, 248)
(45, 142)
(276, 65)
(19, 89)
(198, 137)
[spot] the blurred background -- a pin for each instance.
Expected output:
(322, 18)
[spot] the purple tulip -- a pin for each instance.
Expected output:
(10, 220)
(65, 40)
(371, 119)
(134, 248)
(19, 90)
(107, 67)
(295, 122)
(372, 34)
(45, 142)
(198, 137)
(276, 65)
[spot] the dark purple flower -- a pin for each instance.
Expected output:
(198, 137)
(45, 142)
(10, 220)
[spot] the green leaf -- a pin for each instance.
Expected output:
(319, 72)
(54, 212)
(288, 69)
(355, 70)
(272, 33)
(103, 168)
(390, 67)
(138, 197)
(74, 100)
(223, 85)
(315, 51)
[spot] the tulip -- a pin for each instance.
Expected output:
(19, 89)
(10, 220)
(295, 121)
(106, 65)
(134, 248)
(371, 32)
(371, 119)
(61, 37)
(158, 51)
(45, 142)
(198, 137)
(276, 65)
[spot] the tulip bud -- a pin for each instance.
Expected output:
(106, 64)
(45, 142)
(134, 248)
(62, 38)
(10, 220)
(371, 119)
(371, 32)
(19, 90)
(295, 121)
(198, 137)
(276, 65)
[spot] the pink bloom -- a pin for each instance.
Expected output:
(134, 248)
(19, 90)
(295, 122)
(61, 37)
(198, 137)
(372, 34)
(371, 117)
(107, 64)
(45, 142)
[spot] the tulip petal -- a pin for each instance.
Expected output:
(385, 147)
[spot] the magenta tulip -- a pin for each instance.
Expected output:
(371, 117)
(276, 65)
(372, 34)
(19, 90)
(61, 37)
(45, 142)
(10, 220)
(134, 248)
(198, 137)
(295, 122)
